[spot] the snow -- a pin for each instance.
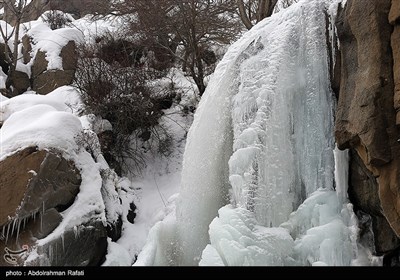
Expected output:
(3, 80)
(2, 98)
(161, 244)
(65, 98)
(211, 257)
(42, 126)
(94, 28)
(7, 29)
(155, 190)
(116, 255)
(52, 41)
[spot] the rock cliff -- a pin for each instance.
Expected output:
(368, 116)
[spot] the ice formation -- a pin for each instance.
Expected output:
(263, 139)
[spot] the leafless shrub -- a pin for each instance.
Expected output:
(114, 86)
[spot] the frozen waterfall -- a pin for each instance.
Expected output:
(258, 181)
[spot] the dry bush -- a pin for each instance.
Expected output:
(114, 86)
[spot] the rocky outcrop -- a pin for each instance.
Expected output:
(51, 80)
(42, 80)
(45, 81)
(366, 113)
(394, 19)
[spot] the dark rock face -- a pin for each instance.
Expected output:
(32, 181)
(3, 61)
(368, 102)
(40, 64)
(394, 19)
(131, 213)
(20, 82)
(26, 49)
(42, 227)
(114, 230)
(84, 246)
(364, 194)
(51, 80)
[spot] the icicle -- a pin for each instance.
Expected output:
(24, 221)
(8, 231)
(62, 240)
(76, 231)
(18, 229)
(51, 253)
(41, 213)
(3, 232)
(13, 226)
(56, 252)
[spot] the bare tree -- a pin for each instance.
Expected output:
(253, 11)
(190, 25)
(17, 9)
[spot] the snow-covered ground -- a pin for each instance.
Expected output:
(157, 186)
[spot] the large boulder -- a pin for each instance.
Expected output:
(46, 80)
(34, 181)
(366, 113)
(35, 187)
(18, 82)
(51, 80)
